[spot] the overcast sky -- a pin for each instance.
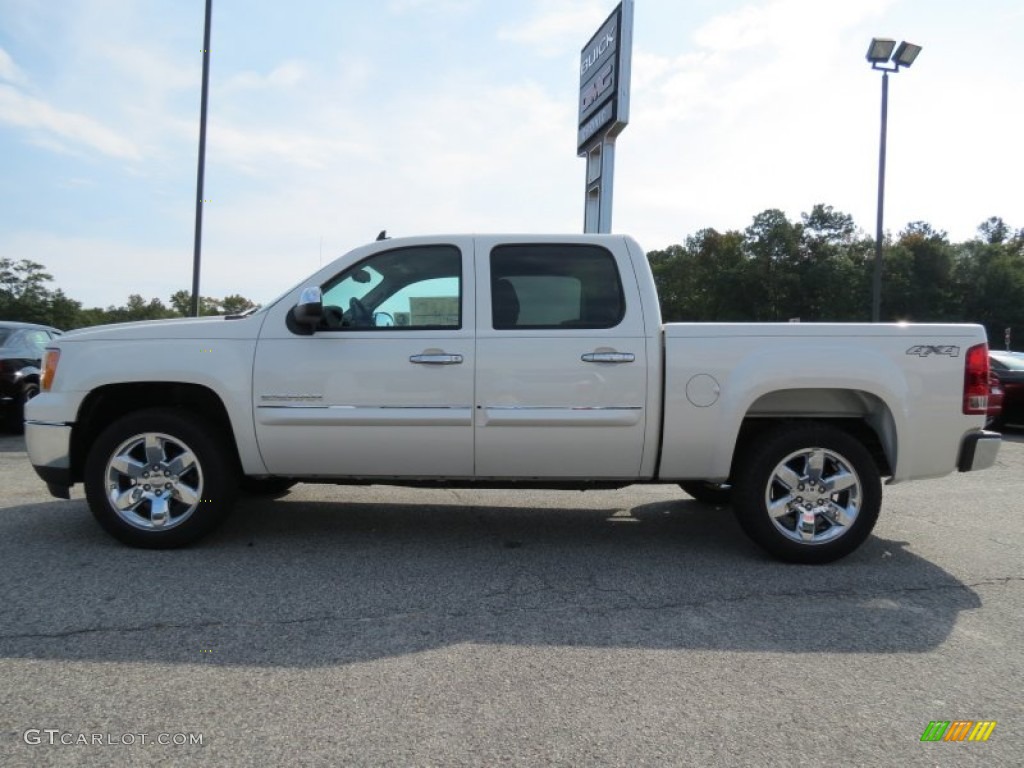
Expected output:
(333, 119)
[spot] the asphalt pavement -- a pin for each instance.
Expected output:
(382, 626)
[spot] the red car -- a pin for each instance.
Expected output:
(995, 400)
(1009, 369)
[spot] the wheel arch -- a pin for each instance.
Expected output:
(863, 415)
(108, 403)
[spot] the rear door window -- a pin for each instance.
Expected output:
(555, 286)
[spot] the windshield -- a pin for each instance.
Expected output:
(5, 334)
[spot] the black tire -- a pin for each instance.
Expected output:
(715, 494)
(16, 416)
(267, 487)
(779, 467)
(202, 488)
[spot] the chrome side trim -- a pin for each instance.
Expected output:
(564, 407)
(364, 416)
(556, 416)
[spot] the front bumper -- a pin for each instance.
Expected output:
(978, 450)
(49, 450)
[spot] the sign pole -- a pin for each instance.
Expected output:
(605, 63)
(194, 309)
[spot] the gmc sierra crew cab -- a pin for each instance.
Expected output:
(506, 361)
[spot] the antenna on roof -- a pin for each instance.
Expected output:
(383, 235)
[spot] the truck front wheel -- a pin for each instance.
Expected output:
(159, 478)
(807, 493)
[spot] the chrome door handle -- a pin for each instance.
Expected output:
(436, 359)
(608, 357)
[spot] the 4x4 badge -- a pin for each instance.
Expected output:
(923, 350)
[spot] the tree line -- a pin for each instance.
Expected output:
(820, 269)
(25, 296)
(817, 269)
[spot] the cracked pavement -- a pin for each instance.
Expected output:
(391, 626)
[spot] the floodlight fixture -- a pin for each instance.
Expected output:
(905, 54)
(880, 50)
(884, 51)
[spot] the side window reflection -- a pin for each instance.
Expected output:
(555, 286)
(418, 288)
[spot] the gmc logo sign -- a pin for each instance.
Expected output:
(600, 84)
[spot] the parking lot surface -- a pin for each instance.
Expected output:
(383, 626)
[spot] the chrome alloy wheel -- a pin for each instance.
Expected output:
(813, 496)
(153, 481)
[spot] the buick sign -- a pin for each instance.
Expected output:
(604, 77)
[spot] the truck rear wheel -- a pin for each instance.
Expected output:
(159, 478)
(807, 493)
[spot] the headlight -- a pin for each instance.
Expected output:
(50, 359)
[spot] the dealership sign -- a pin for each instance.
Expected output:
(604, 78)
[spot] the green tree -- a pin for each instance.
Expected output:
(25, 296)
(994, 230)
(773, 243)
(236, 304)
(835, 269)
(138, 308)
(989, 280)
(703, 280)
(23, 292)
(930, 297)
(181, 303)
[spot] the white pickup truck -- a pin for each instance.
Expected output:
(506, 361)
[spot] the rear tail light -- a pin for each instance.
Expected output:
(50, 360)
(976, 380)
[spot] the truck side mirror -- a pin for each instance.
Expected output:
(310, 308)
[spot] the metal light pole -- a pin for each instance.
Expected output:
(202, 163)
(880, 53)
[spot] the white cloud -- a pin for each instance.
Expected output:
(154, 70)
(285, 75)
(401, 7)
(764, 111)
(795, 25)
(259, 151)
(73, 130)
(559, 26)
(105, 271)
(9, 70)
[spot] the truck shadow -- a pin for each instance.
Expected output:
(307, 584)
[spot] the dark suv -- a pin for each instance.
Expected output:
(21, 353)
